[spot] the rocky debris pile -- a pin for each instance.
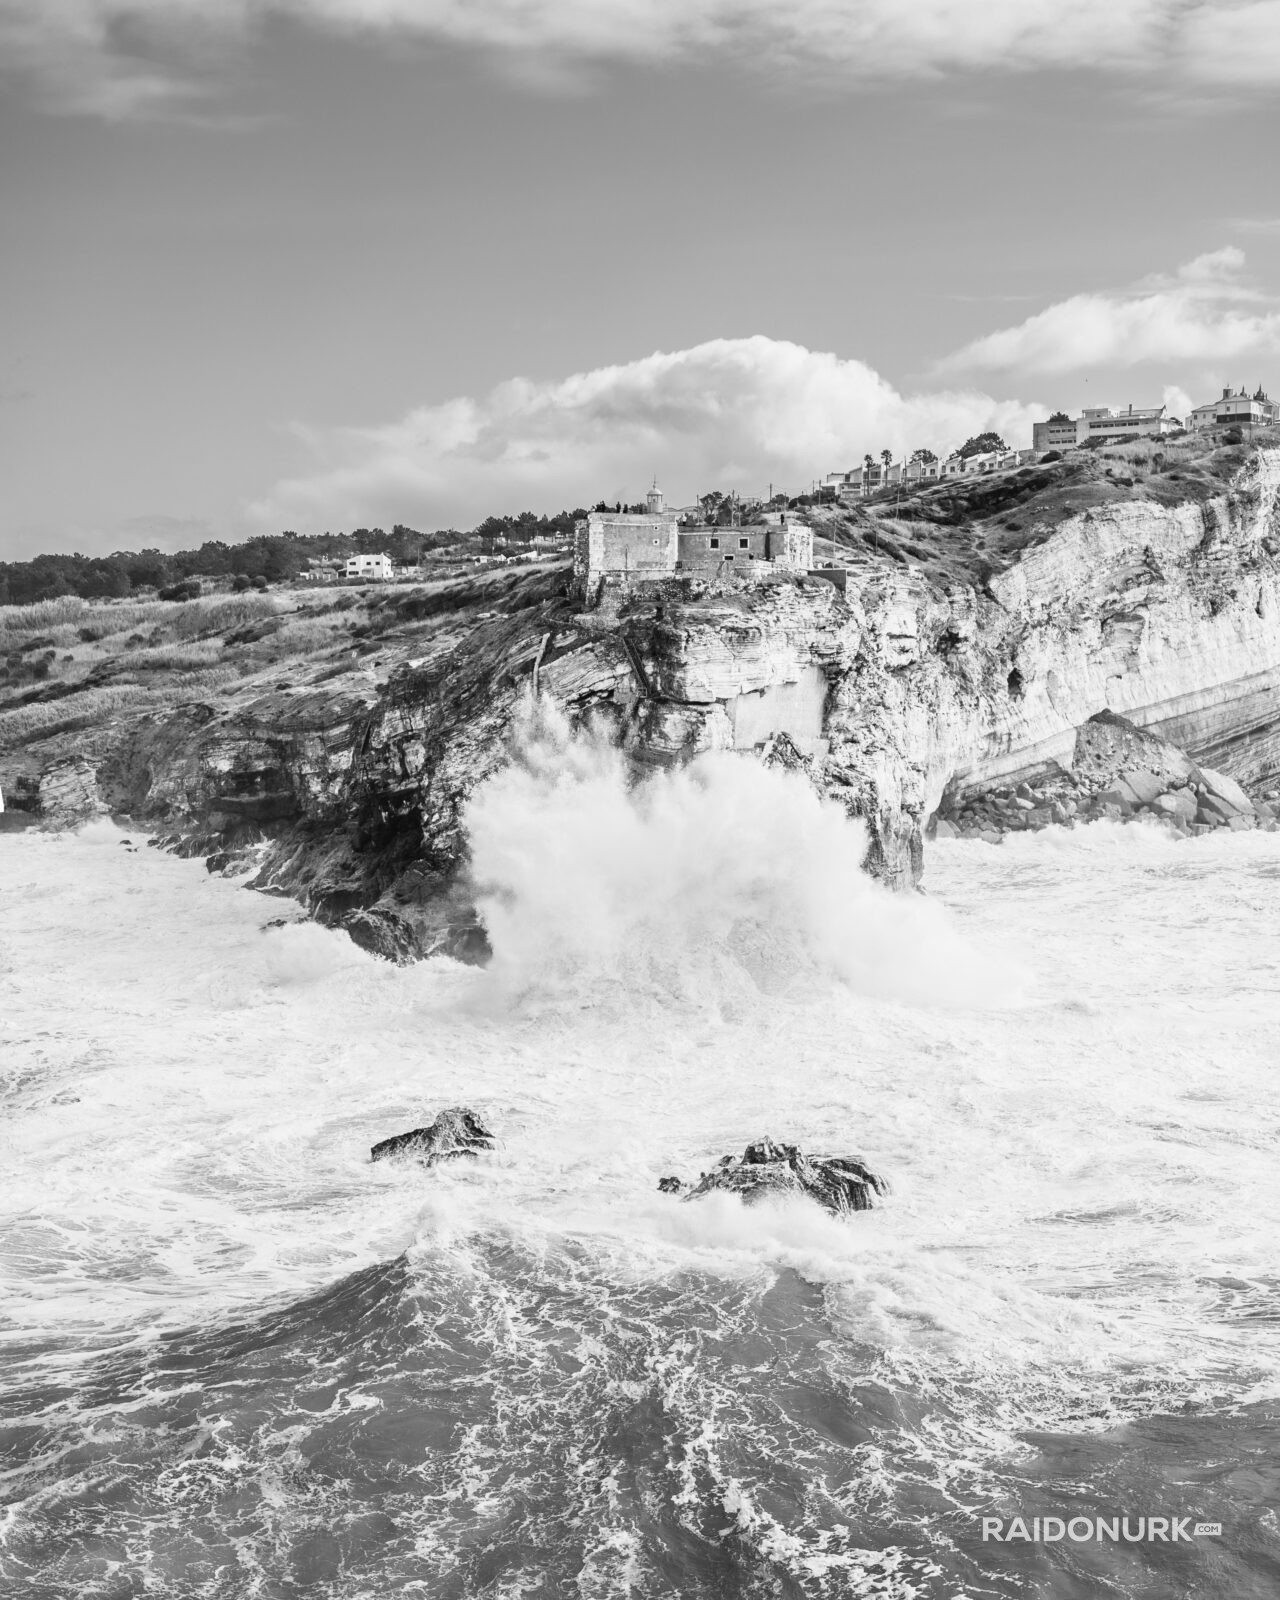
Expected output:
(1118, 772)
(838, 1183)
(1109, 745)
(459, 1131)
(68, 793)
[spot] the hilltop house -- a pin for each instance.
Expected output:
(622, 547)
(956, 465)
(1060, 432)
(874, 475)
(1244, 410)
(1105, 426)
(1102, 425)
(375, 568)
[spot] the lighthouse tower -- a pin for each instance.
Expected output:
(655, 501)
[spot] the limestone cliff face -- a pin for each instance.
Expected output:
(1169, 616)
(892, 696)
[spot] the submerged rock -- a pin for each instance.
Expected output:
(839, 1183)
(455, 1132)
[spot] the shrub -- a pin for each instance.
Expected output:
(188, 589)
(41, 614)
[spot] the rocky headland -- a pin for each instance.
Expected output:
(1070, 641)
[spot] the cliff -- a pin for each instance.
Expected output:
(914, 686)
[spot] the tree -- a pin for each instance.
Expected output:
(148, 569)
(1059, 416)
(711, 504)
(924, 455)
(980, 444)
(886, 460)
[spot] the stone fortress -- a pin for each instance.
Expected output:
(615, 549)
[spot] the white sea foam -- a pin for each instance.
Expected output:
(1082, 1150)
(699, 883)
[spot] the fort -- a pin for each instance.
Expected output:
(614, 549)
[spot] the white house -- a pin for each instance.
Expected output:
(1115, 427)
(957, 465)
(370, 569)
(1235, 406)
(1101, 425)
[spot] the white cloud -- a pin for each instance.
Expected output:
(121, 57)
(1232, 43)
(1177, 402)
(1204, 313)
(731, 413)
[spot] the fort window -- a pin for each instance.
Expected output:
(715, 544)
(744, 544)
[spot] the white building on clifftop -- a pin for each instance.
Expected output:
(1236, 407)
(623, 547)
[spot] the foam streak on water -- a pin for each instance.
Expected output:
(240, 1360)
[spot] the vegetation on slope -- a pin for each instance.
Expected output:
(269, 559)
(966, 529)
(70, 670)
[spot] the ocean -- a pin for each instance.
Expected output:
(238, 1359)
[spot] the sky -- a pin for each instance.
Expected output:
(318, 264)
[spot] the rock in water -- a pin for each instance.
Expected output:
(455, 1132)
(840, 1183)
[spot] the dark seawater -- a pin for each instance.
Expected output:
(517, 1424)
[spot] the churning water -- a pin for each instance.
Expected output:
(238, 1360)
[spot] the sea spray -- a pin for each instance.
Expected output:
(701, 883)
